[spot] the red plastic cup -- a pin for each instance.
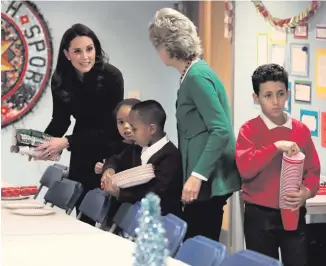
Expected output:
(290, 219)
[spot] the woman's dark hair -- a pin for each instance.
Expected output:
(126, 102)
(65, 72)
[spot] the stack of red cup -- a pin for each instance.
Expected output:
(291, 179)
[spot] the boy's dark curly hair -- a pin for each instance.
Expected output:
(269, 72)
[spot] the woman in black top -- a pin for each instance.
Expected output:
(86, 87)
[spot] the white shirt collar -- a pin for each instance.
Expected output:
(184, 76)
(148, 152)
(270, 125)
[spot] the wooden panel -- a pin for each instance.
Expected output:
(217, 53)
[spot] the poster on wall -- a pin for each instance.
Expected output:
(301, 32)
(302, 91)
(278, 36)
(323, 129)
(262, 49)
(321, 32)
(310, 119)
(299, 60)
(278, 54)
(320, 73)
(26, 59)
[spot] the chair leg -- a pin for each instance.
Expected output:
(79, 216)
(113, 227)
(38, 192)
(69, 211)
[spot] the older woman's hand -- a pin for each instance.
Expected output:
(53, 146)
(191, 189)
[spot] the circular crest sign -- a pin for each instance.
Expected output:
(26, 59)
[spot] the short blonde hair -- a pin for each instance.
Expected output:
(175, 33)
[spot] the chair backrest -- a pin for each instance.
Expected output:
(221, 249)
(64, 168)
(96, 205)
(175, 229)
(51, 175)
(196, 253)
(64, 194)
(250, 258)
(127, 217)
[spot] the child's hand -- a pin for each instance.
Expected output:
(108, 173)
(289, 147)
(99, 167)
(111, 188)
(298, 199)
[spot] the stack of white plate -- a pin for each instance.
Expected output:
(134, 176)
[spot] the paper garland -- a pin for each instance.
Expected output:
(287, 23)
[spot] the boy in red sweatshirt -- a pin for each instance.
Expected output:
(259, 150)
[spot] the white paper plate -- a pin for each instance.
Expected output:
(15, 198)
(33, 212)
(24, 205)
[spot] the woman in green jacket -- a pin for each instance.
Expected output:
(205, 132)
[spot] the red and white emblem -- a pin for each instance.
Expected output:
(26, 59)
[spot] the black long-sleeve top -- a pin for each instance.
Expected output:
(92, 104)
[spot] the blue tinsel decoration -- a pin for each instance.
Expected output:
(151, 243)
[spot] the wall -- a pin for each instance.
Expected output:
(122, 30)
(248, 24)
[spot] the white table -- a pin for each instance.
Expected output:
(316, 205)
(71, 249)
(61, 239)
(59, 223)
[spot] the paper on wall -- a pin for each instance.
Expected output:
(310, 122)
(320, 72)
(323, 130)
(278, 36)
(278, 55)
(299, 60)
(302, 92)
(262, 49)
(321, 78)
(321, 32)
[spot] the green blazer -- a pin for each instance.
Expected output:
(205, 132)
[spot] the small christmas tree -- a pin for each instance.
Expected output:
(151, 243)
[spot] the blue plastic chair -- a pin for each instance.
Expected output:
(197, 253)
(250, 258)
(95, 205)
(126, 218)
(50, 175)
(221, 249)
(64, 168)
(64, 194)
(176, 229)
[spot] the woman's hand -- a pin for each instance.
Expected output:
(191, 189)
(53, 146)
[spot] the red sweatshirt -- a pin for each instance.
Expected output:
(259, 161)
